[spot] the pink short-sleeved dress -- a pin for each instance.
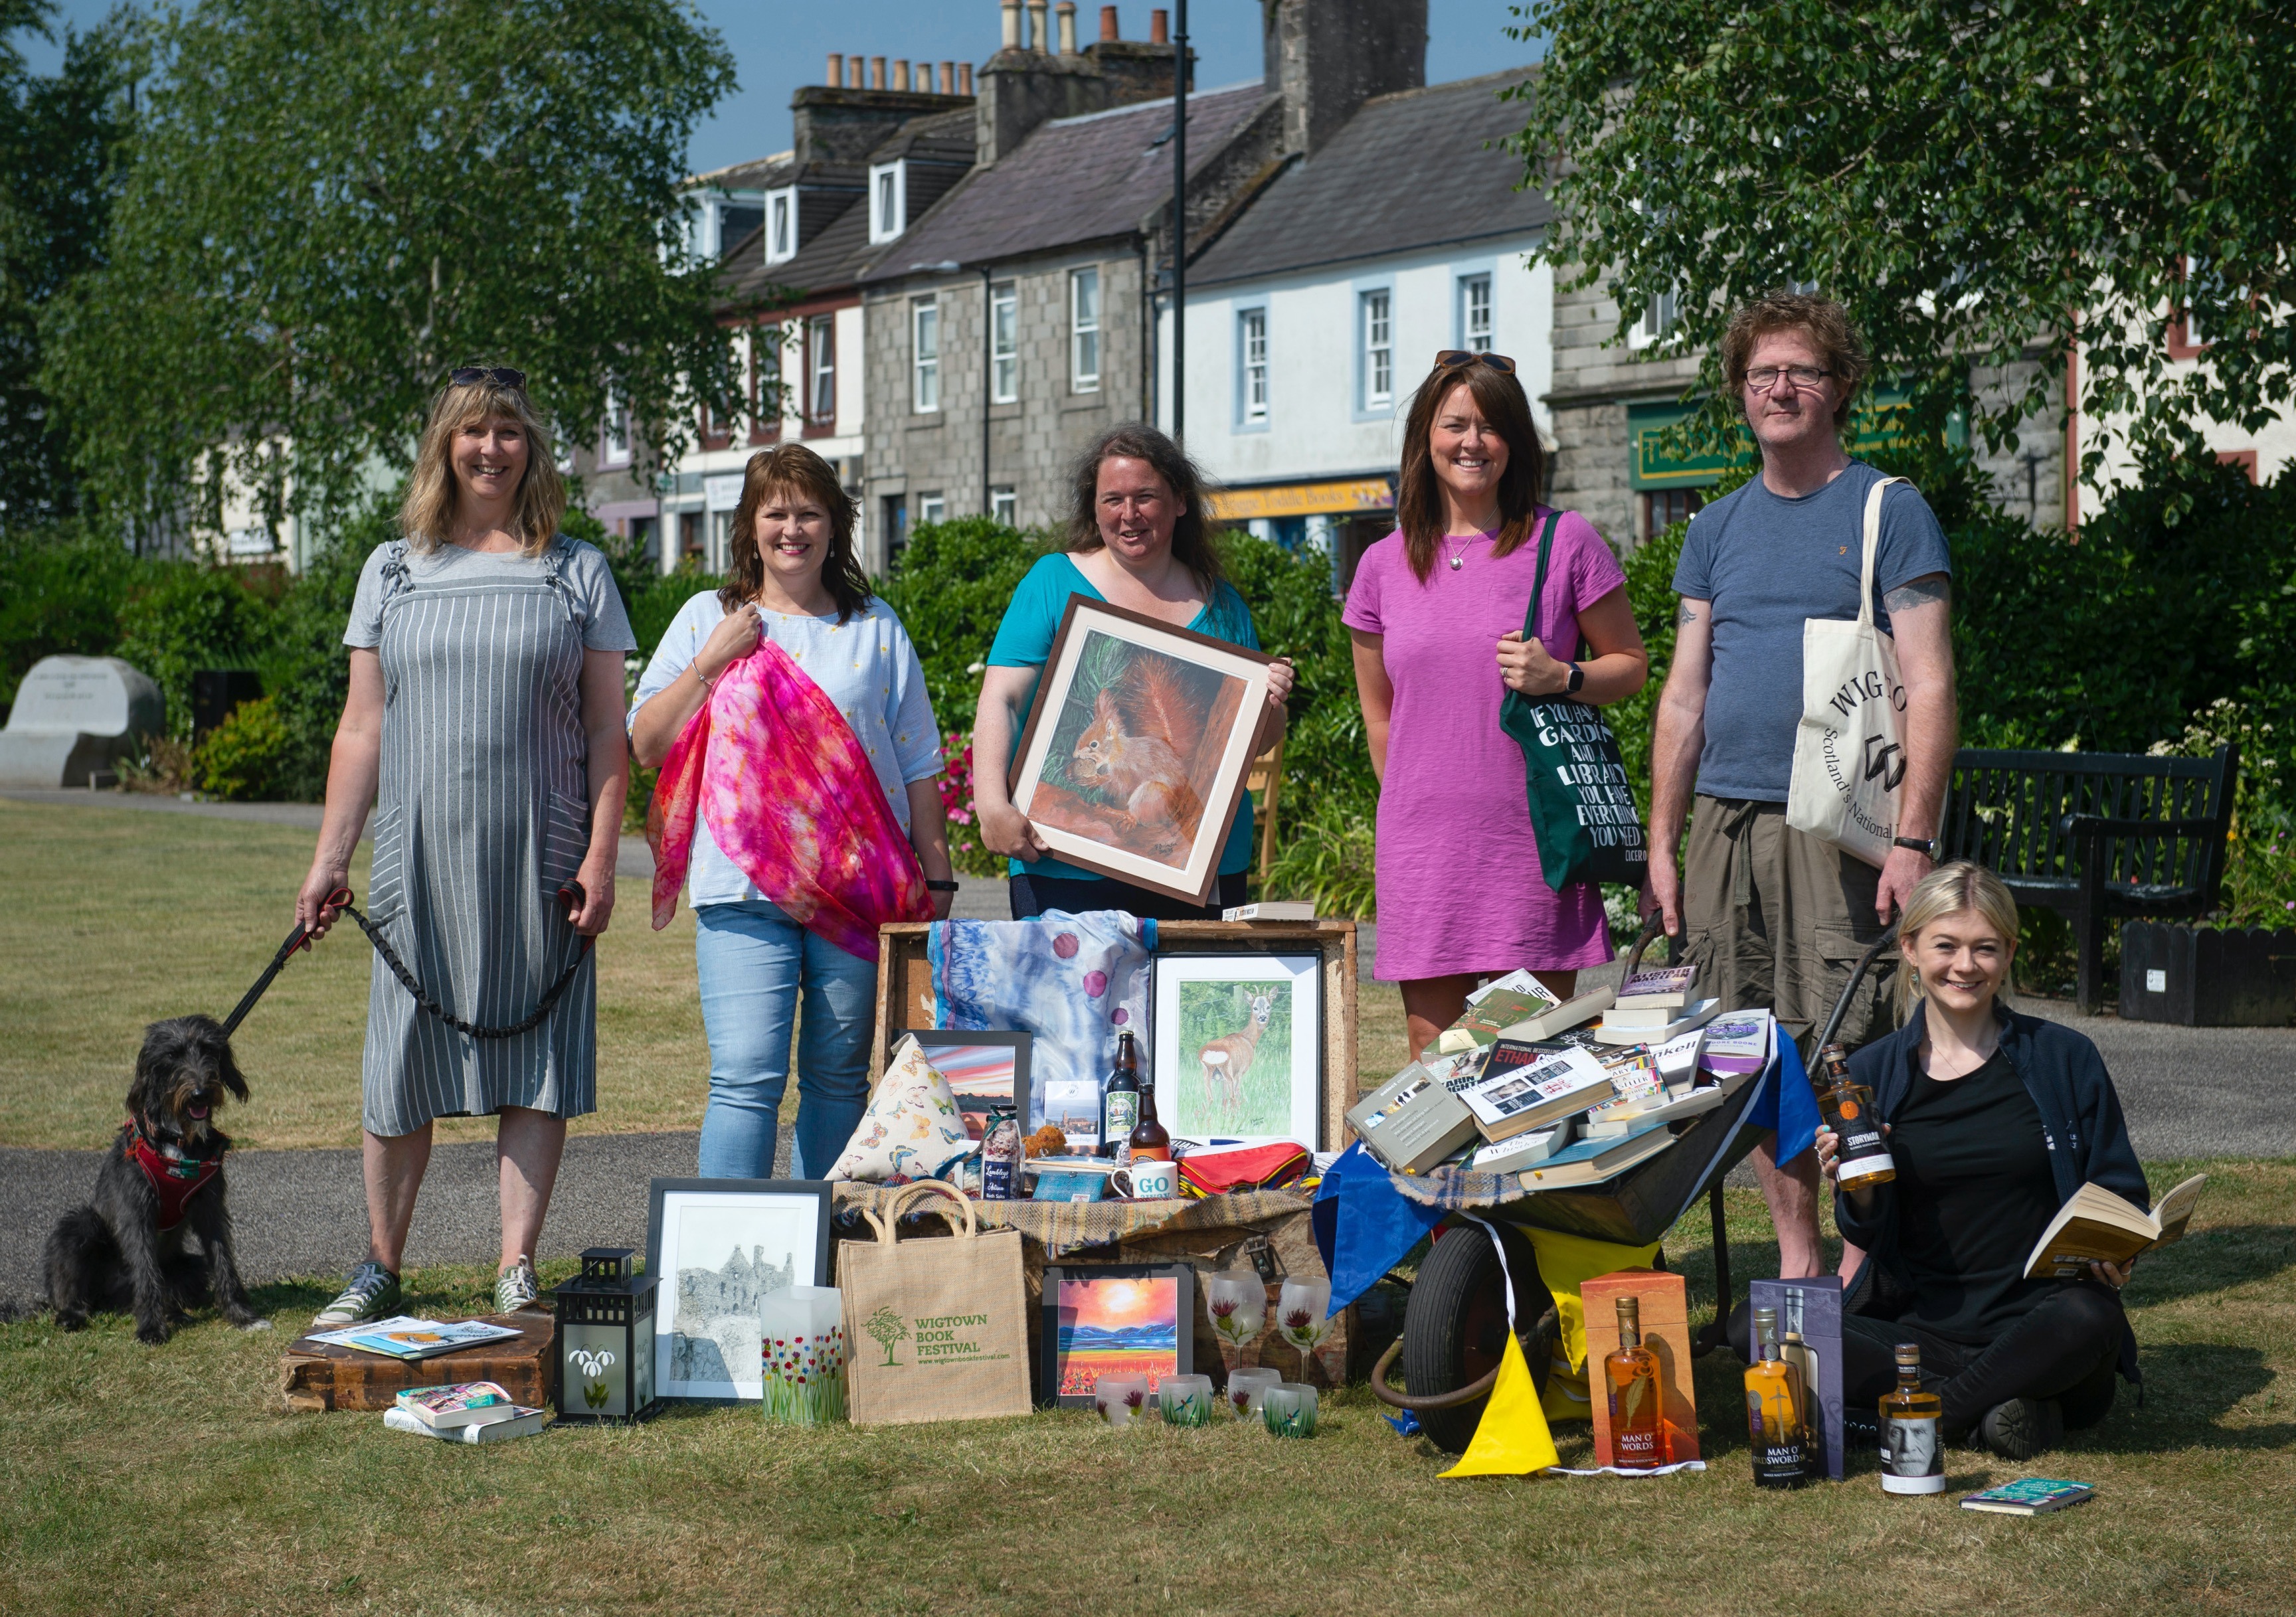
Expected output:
(1458, 879)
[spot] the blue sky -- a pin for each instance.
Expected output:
(782, 44)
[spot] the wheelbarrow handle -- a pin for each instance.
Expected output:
(1849, 989)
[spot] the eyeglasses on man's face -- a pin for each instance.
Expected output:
(1762, 378)
(1453, 359)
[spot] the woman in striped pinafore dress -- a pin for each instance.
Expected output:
(485, 724)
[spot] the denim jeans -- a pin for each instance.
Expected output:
(754, 963)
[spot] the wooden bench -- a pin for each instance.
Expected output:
(2093, 835)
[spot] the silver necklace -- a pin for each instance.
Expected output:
(1459, 556)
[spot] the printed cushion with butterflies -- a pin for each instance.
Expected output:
(912, 1129)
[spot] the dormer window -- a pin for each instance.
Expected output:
(781, 224)
(887, 202)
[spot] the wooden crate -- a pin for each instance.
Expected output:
(905, 991)
(319, 1376)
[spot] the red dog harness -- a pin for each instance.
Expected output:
(175, 1179)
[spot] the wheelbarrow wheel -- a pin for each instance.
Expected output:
(1455, 1327)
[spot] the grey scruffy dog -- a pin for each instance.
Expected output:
(161, 1180)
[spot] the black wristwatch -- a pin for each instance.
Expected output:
(1926, 846)
(1577, 678)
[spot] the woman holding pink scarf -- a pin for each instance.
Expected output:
(787, 713)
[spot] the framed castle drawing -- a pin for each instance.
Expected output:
(720, 1245)
(1139, 743)
(1238, 1040)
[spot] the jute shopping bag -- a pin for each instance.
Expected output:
(939, 1329)
(1850, 750)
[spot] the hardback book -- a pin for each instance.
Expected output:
(2029, 1497)
(2096, 1227)
(1412, 1121)
(1677, 1057)
(1276, 909)
(1524, 1150)
(1811, 1311)
(1577, 1009)
(1523, 1087)
(1663, 1302)
(1608, 1124)
(470, 1403)
(1737, 1041)
(1658, 988)
(1494, 1005)
(408, 1338)
(1592, 1162)
(1655, 1026)
(525, 1423)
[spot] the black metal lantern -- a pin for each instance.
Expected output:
(606, 1341)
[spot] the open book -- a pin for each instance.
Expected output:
(2097, 1227)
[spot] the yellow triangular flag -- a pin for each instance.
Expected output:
(1512, 1439)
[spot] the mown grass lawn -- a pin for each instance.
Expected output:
(173, 1480)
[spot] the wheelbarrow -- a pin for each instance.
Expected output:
(1454, 1323)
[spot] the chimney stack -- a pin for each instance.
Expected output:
(1159, 31)
(1108, 23)
(836, 70)
(1040, 37)
(1012, 20)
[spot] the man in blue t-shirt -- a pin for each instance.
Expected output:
(1773, 916)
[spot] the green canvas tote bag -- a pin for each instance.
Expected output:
(1582, 807)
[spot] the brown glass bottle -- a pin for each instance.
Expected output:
(1150, 1141)
(1847, 1107)
(1913, 1435)
(1638, 1394)
(1776, 1402)
(1120, 1102)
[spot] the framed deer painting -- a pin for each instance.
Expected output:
(1238, 1042)
(1138, 742)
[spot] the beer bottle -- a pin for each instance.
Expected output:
(1847, 1107)
(1150, 1141)
(1120, 1102)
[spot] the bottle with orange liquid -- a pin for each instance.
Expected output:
(1637, 1393)
(1847, 1107)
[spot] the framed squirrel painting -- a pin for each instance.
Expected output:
(1139, 743)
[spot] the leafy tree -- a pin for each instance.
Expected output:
(886, 1326)
(328, 206)
(59, 138)
(1971, 178)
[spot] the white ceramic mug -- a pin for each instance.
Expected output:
(1147, 1181)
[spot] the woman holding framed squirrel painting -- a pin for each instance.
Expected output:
(1437, 614)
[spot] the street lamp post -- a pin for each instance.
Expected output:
(1180, 226)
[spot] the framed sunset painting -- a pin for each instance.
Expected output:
(1115, 1319)
(1138, 743)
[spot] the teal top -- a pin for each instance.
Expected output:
(1024, 640)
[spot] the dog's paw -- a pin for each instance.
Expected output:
(255, 1324)
(153, 1335)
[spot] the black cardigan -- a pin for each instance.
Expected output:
(2080, 1123)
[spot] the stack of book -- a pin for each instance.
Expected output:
(1656, 1004)
(467, 1412)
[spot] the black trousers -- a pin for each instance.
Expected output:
(2066, 1349)
(1032, 896)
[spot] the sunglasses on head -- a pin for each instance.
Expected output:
(1453, 359)
(501, 375)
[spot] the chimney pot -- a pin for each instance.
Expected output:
(1065, 12)
(964, 78)
(876, 72)
(901, 73)
(853, 72)
(836, 69)
(1012, 21)
(1040, 38)
(1108, 23)
(1159, 31)
(948, 79)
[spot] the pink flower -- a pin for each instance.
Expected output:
(1223, 1308)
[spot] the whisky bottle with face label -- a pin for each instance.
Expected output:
(1913, 1439)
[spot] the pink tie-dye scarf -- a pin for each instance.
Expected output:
(781, 782)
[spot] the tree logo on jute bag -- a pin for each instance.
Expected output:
(886, 1326)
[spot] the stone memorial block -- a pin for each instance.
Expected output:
(74, 718)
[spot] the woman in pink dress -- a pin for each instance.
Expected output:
(1436, 615)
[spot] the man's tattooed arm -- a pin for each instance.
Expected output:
(1684, 614)
(1920, 592)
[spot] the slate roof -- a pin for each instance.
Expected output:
(1073, 180)
(755, 174)
(1408, 170)
(829, 261)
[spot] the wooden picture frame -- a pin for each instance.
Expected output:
(962, 1044)
(1205, 1093)
(687, 1220)
(1138, 743)
(1171, 1289)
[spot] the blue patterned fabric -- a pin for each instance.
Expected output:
(1072, 982)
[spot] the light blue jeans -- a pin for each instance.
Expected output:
(755, 964)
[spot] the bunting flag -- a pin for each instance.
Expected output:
(1512, 1439)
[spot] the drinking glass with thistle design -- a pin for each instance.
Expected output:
(1301, 1316)
(1237, 1302)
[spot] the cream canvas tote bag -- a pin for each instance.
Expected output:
(936, 1330)
(1850, 750)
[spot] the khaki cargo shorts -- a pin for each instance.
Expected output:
(1773, 917)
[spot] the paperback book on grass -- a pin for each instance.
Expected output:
(2029, 1497)
(1523, 1087)
(408, 1338)
(525, 1421)
(470, 1403)
(2097, 1227)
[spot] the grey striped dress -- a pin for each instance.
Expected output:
(482, 815)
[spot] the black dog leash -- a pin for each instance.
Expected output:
(570, 895)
